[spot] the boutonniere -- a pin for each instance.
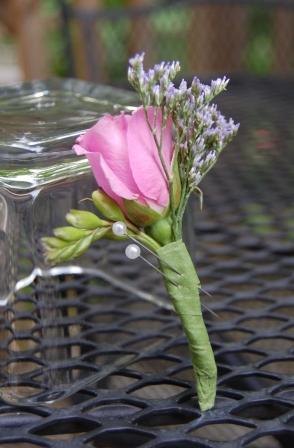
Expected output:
(147, 164)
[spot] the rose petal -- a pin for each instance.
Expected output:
(109, 138)
(144, 159)
(108, 180)
(79, 150)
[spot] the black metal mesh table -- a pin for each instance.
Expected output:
(245, 259)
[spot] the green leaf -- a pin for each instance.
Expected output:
(107, 206)
(68, 233)
(84, 220)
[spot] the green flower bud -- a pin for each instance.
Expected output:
(161, 231)
(82, 245)
(107, 206)
(70, 251)
(100, 233)
(59, 251)
(111, 236)
(68, 233)
(59, 255)
(50, 242)
(84, 220)
(141, 215)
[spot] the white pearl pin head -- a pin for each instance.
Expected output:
(133, 251)
(119, 228)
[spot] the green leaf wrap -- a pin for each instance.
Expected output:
(186, 301)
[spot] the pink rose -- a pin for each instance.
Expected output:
(124, 158)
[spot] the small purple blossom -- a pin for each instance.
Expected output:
(200, 130)
(160, 76)
(156, 95)
(183, 87)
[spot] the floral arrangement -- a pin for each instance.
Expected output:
(147, 164)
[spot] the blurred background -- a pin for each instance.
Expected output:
(93, 39)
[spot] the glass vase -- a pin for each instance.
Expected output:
(60, 327)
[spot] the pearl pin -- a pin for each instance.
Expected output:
(119, 228)
(133, 251)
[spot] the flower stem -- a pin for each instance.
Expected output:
(177, 223)
(184, 292)
(148, 241)
(143, 237)
(158, 144)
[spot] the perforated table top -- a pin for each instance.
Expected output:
(245, 259)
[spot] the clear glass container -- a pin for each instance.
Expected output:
(49, 343)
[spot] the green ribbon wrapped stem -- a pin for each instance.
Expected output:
(186, 301)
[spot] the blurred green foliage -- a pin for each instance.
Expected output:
(115, 42)
(260, 42)
(54, 39)
(171, 30)
(170, 25)
(50, 6)
(113, 3)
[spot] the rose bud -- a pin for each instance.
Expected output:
(125, 162)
